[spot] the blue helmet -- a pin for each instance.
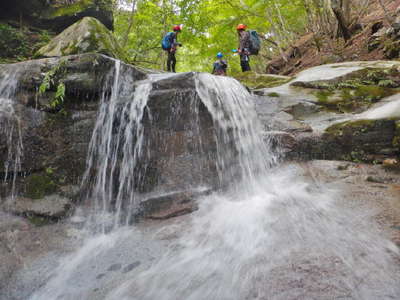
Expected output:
(220, 55)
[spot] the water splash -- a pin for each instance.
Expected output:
(10, 128)
(271, 235)
(268, 234)
(118, 132)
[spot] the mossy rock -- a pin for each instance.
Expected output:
(85, 36)
(67, 14)
(38, 220)
(396, 139)
(355, 91)
(38, 186)
(57, 15)
(351, 127)
(273, 95)
(259, 81)
(355, 99)
(391, 49)
(362, 140)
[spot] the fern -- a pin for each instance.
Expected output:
(386, 83)
(59, 97)
(50, 81)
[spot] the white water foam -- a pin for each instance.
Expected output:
(271, 235)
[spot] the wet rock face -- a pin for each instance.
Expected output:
(324, 98)
(179, 137)
(57, 15)
(363, 140)
(370, 141)
(55, 141)
(178, 149)
(182, 134)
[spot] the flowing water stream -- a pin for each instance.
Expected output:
(10, 129)
(267, 233)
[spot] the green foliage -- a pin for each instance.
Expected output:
(52, 79)
(13, 42)
(209, 27)
(18, 44)
(386, 83)
(59, 97)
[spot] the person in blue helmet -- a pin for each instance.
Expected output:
(220, 66)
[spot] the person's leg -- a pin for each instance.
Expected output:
(173, 62)
(247, 66)
(245, 63)
(169, 61)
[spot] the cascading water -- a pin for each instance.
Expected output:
(10, 132)
(122, 148)
(106, 147)
(267, 235)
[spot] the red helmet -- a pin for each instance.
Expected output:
(241, 27)
(177, 28)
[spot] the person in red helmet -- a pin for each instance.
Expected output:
(170, 44)
(244, 47)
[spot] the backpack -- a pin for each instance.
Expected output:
(167, 41)
(255, 42)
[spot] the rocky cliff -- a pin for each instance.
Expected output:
(56, 15)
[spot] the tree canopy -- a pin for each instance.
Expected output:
(209, 27)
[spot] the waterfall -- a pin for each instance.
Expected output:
(126, 135)
(10, 130)
(123, 116)
(271, 235)
(264, 233)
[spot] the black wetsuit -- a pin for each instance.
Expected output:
(171, 61)
(244, 50)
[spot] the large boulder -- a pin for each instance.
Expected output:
(179, 136)
(86, 35)
(57, 15)
(55, 140)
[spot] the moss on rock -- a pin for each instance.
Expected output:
(396, 139)
(352, 127)
(362, 140)
(38, 186)
(68, 10)
(38, 220)
(356, 91)
(85, 36)
(258, 81)
(273, 95)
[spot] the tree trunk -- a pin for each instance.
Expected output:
(125, 40)
(337, 9)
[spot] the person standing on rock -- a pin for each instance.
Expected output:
(220, 66)
(244, 47)
(170, 44)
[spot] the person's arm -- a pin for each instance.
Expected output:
(175, 42)
(240, 42)
(224, 64)
(246, 39)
